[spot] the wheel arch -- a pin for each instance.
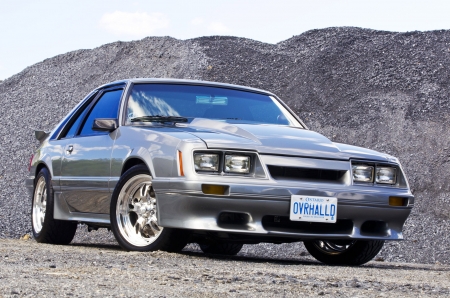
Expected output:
(44, 159)
(39, 167)
(131, 162)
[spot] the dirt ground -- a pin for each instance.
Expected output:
(94, 270)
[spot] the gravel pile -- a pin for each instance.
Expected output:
(382, 90)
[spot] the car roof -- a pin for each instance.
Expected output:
(186, 82)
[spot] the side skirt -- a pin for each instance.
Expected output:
(62, 212)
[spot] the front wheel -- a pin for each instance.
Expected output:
(134, 215)
(344, 252)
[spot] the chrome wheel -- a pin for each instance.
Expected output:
(39, 204)
(334, 247)
(136, 211)
(344, 251)
(45, 228)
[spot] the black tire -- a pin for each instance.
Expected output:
(45, 228)
(133, 215)
(344, 252)
(221, 248)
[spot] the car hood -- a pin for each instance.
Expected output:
(277, 139)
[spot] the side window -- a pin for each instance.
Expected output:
(106, 107)
(73, 129)
(75, 124)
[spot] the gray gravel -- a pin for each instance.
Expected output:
(386, 91)
(30, 269)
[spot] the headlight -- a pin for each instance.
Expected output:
(362, 173)
(237, 164)
(386, 175)
(206, 162)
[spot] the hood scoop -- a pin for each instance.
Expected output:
(223, 127)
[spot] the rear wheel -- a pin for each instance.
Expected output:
(45, 228)
(221, 248)
(344, 252)
(134, 215)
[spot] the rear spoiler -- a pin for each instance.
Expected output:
(41, 135)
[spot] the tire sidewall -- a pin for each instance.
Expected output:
(49, 205)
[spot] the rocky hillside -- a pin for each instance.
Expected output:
(382, 90)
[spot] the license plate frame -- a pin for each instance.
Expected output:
(313, 209)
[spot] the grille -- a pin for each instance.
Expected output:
(306, 174)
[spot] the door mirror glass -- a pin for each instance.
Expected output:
(105, 124)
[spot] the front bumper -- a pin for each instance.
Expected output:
(263, 210)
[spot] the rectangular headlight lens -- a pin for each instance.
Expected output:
(386, 175)
(362, 173)
(237, 164)
(206, 162)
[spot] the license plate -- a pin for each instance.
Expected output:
(314, 209)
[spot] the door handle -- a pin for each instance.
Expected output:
(69, 149)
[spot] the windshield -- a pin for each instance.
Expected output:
(165, 102)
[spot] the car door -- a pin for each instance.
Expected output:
(85, 166)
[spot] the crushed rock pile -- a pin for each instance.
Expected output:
(382, 90)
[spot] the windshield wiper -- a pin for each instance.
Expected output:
(159, 118)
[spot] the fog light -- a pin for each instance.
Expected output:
(362, 173)
(386, 175)
(210, 189)
(237, 164)
(206, 162)
(397, 201)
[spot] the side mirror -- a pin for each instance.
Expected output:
(105, 124)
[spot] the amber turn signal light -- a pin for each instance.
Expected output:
(210, 189)
(397, 201)
(180, 163)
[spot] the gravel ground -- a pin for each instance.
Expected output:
(30, 269)
(386, 91)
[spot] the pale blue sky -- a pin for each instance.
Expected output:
(31, 31)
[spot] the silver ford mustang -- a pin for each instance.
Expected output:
(165, 162)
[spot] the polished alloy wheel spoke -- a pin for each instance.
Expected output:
(154, 226)
(332, 247)
(136, 211)
(137, 227)
(42, 217)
